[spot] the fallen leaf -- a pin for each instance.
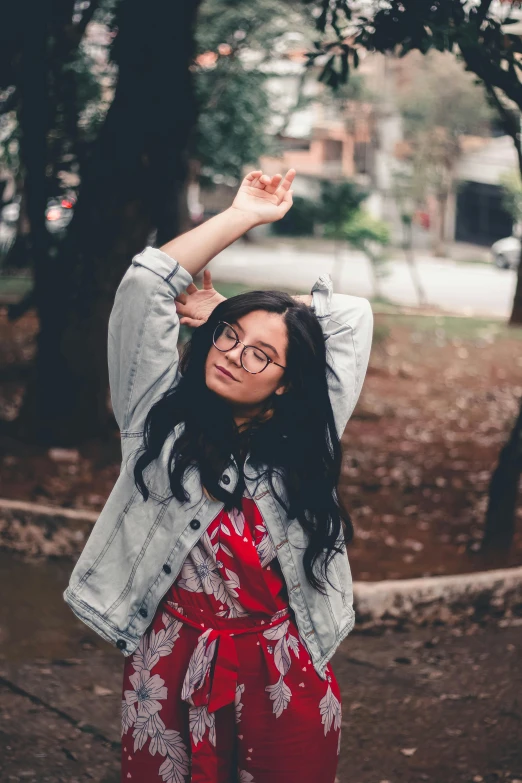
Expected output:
(99, 691)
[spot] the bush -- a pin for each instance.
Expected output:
(299, 221)
(364, 231)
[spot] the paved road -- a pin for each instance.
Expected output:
(458, 287)
(425, 705)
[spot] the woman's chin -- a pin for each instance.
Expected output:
(214, 385)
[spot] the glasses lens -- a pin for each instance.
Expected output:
(254, 360)
(224, 337)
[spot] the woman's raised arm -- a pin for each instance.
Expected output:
(260, 199)
(144, 326)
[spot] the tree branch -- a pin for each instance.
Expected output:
(482, 10)
(86, 18)
(511, 122)
(481, 65)
(18, 309)
(9, 103)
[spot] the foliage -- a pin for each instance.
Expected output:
(237, 46)
(477, 32)
(366, 233)
(231, 130)
(442, 94)
(512, 196)
(300, 221)
(339, 201)
(78, 86)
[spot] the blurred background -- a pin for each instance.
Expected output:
(124, 123)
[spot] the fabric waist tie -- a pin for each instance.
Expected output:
(206, 688)
(214, 689)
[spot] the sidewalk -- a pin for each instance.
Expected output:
(478, 289)
(438, 705)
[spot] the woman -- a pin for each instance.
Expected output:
(218, 565)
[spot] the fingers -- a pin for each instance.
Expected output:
(273, 182)
(286, 203)
(207, 280)
(252, 178)
(267, 183)
(286, 183)
(192, 322)
(182, 309)
(191, 289)
(252, 175)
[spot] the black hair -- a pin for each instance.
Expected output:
(298, 441)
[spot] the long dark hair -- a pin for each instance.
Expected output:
(298, 441)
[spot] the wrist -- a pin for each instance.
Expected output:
(244, 220)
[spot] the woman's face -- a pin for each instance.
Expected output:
(243, 390)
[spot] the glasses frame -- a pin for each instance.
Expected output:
(254, 347)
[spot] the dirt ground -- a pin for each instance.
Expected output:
(432, 705)
(438, 403)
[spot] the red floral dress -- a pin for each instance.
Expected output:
(221, 687)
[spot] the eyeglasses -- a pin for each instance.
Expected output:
(253, 359)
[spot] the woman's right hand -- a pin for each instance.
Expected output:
(196, 305)
(265, 199)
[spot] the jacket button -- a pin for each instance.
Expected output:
(143, 612)
(225, 479)
(167, 568)
(121, 644)
(195, 524)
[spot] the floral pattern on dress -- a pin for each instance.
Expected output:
(231, 573)
(142, 704)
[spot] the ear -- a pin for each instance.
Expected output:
(281, 390)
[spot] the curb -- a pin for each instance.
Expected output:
(444, 599)
(44, 531)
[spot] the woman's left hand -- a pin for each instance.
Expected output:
(196, 305)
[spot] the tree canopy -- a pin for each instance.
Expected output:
(477, 31)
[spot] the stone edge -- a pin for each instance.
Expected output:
(37, 531)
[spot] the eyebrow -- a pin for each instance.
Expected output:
(266, 345)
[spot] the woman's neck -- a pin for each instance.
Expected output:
(244, 419)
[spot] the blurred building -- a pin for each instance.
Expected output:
(361, 138)
(476, 211)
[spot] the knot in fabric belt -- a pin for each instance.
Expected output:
(214, 687)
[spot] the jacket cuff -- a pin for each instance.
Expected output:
(164, 266)
(322, 296)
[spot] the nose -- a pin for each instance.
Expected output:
(234, 355)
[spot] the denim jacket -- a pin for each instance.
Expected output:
(136, 548)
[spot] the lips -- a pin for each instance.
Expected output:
(224, 372)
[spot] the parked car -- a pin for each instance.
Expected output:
(59, 213)
(10, 212)
(506, 253)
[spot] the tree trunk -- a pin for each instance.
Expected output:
(440, 245)
(516, 312)
(410, 260)
(503, 492)
(129, 186)
(377, 289)
(337, 265)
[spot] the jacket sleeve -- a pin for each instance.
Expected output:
(347, 324)
(143, 333)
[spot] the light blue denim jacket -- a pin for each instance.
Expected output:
(136, 549)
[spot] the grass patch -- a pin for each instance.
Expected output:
(231, 289)
(465, 328)
(15, 286)
(389, 316)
